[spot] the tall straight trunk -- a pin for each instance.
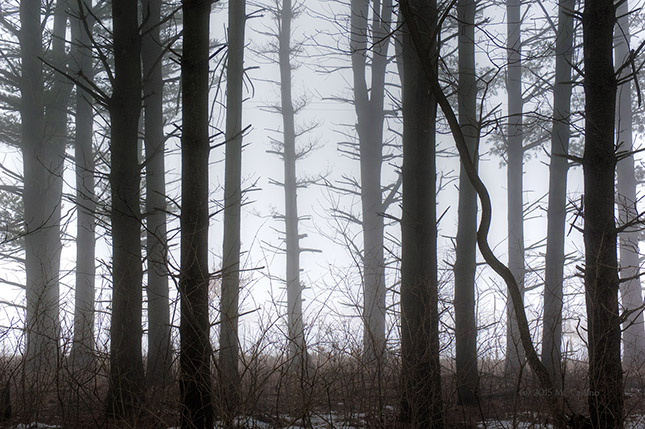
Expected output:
(514, 166)
(369, 101)
(295, 322)
(83, 342)
(195, 355)
(229, 343)
(630, 288)
(421, 403)
(43, 156)
(466, 251)
(158, 369)
(600, 236)
(126, 367)
(557, 210)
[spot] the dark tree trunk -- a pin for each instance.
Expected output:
(126, 367)
(630, 288)
(601, 264)
(195, 356)
(229, 343)
(83, 343)
(466, 252)
(369, 101)
(421, 403)
(158, 369)
(557, 210)
(514, 165)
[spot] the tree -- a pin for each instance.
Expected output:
(83, 342)
(126, 366)
(466, 242)
(41, 163)
(229, 342)
(369, 105)
(557, 211)
(630, 287)
(421, 403)
(514, 174)
(195, 354)
(600, 232)
(158, 367)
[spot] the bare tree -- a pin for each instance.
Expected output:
(421, 402)
(229, 342)
(600, 232)
(126, 366)
(195, 355)
(466, 242)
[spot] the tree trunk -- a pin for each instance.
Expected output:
(557, 210)
(601, 264)
(296, 330)
(195, 356)
(421, 402)
(126, 367)
(630, 288)
(368, 103)
(43, 148)
(83, 342)
(466, 251)
(229, 343)
(514, 165)
(158, 369)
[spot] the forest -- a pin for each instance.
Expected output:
(321, 214)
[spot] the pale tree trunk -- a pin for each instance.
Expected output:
(126, 367)
(466, 252)
(158, 369)
(557, 209)
(195, 355)
(369, 101)
(601, 262)
(514, 169)
(43, 147)
(83, 342)
(630, 287)
(421, 402)
(229, 342)
(295, 323)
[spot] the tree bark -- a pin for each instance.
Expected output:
(514, 170)
(601, 264)
(195, 356)
(83, 342)
(158, 369)
(229, 342)
(126, 367)
(421, 402)
(630, 287)
(466, 251)
(557, 210)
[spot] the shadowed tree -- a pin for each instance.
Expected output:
(600, 233)
(466, 242)
(195, 354)
(126, 367)
(421, 403)
(229, 341)
(158, 369)
(83, 342)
